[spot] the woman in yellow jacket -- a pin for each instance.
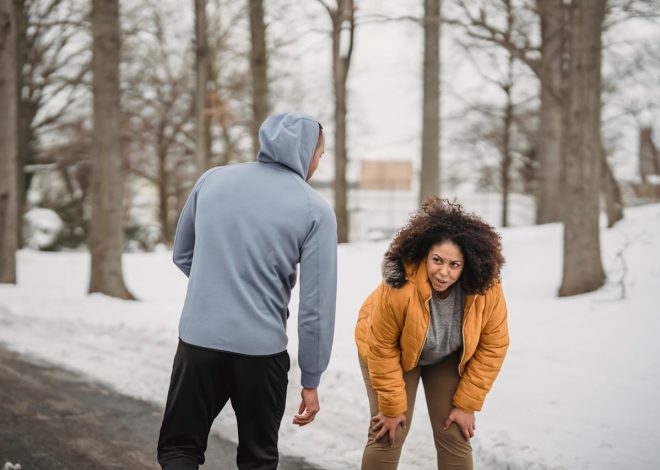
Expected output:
(438, 315)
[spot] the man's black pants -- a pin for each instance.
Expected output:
(202, 382)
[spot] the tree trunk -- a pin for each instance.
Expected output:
(24, 120)
(611, 191)
(163, 182)
(259, 66)
(507, 157)
(583, 270)
(8, 143)
(107, 218)
(202, 130)
(429, 182)
(649, 157)
(506, 151)
(551, 120)
(27, 112)
(342, 48)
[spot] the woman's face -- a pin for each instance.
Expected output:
(444, 265)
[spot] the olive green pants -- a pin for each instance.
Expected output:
(440, 381)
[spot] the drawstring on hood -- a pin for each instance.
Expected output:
(290, 140)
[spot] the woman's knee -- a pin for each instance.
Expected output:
(384, 441)
(451, 445)
(379, 455)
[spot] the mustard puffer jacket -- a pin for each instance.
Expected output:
(391, 332)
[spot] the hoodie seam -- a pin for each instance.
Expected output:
(317, 271)
(206, 176)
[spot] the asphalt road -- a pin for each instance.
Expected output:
(53, 419)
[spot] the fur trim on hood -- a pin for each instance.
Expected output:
(394, 271)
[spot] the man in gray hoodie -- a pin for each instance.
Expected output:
(240, 237)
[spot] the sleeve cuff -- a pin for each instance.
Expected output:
(310, 379)
(466, 404)
(396, 409)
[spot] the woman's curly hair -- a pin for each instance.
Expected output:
(440, 220)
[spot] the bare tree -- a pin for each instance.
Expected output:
(513, 35)
(552, 15)
(555, 33)
(548, 60)
(611, 190)
(230, 108)
(259, 68)
(583, 270)
(430, 169)
(649, 155)
(506, 151)
(157, 108)
(202, 133)
(342, 16)
(8, 143)
(499, 124)
(72, 157)
(230, 78)
(22, 142)
(106, 226)
(52, 61)
(157, 100)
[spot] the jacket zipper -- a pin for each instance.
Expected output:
(465, 314)
(428, 311)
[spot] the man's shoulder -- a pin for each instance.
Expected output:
(224, 171)
(319, 205)
(234, 167)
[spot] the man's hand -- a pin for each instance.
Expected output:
(309, 406)
(465, 421)
(387, 425)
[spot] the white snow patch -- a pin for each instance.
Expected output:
(578, 389)
(11, 466)
(41, 227)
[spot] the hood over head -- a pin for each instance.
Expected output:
(290, 140)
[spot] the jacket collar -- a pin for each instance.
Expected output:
(396, 274)
(418, 275)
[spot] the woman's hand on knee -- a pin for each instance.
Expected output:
(465, 421)
(387, 425)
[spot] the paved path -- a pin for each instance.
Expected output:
(53, 419)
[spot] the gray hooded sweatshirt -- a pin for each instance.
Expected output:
(240, 237)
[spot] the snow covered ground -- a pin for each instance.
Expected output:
(579, 388)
